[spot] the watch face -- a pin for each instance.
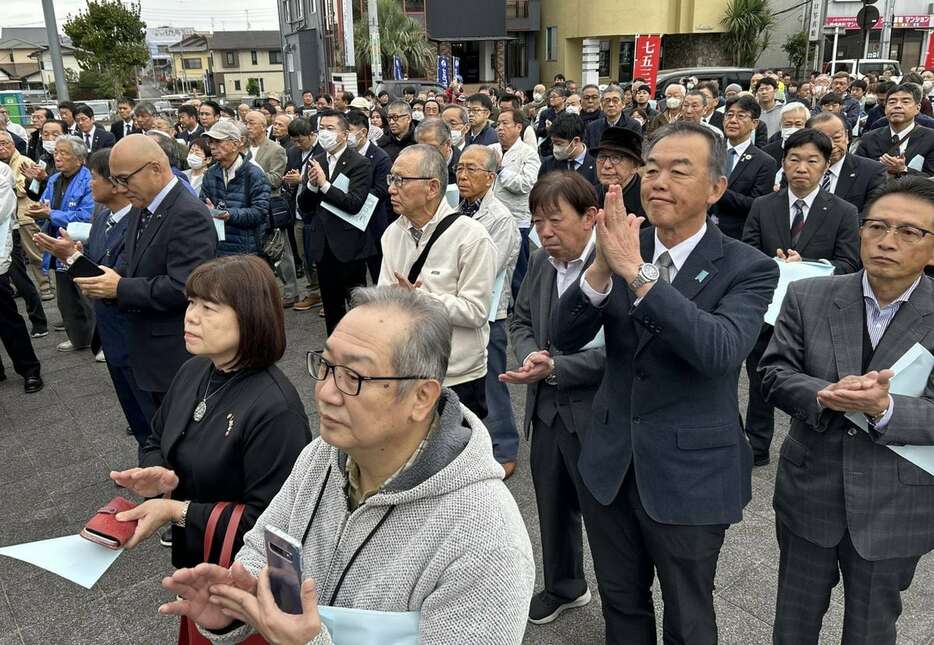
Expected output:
(649, 271)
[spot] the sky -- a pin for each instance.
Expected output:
(227, 14)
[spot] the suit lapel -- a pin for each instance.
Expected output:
(819, 212)
(905, 329)
(742, 163)
(548, 296)
(782, 219)
(847, 176)
(154, 223)
(846, 326)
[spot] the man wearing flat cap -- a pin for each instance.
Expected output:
(619, 158)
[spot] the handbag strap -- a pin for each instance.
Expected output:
(443, 225)
(212, 527)
(233, 524)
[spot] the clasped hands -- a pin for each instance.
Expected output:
(536, 367)
(618, 245)
(214, 597)
(894, 165)
(868, 393)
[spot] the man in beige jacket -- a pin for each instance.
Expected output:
(459, 270)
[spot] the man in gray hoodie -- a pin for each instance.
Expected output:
(399, 505)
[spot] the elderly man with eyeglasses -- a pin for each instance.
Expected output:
(401, 133)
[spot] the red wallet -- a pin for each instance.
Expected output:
(105, 529)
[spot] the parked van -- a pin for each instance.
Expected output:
(723, 75)
(866, 66)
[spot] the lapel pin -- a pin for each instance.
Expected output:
(701, 276)
(230, 423)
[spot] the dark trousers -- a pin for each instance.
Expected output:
(760, 416)
(553, 458)
(337, 279)
(807, 573)
(13, 333)
(473, 395)
(75, 309)
(26, 287)
(628, 549)
(133, 401)
(500, 421)
(522, 263)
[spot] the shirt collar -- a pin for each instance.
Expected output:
(588, 248)
(579, 159)
(444, 209)
(869, 293)
(120, 214)
(230, 173)
(679, 252)
(366, 146)
(741, 148)
(808, 199)
(337, 153)
(904, 133)
(157, 200)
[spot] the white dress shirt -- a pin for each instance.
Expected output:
(834, 171)
(157, 200)
(120, 214)
(740, 149)
(903, 135)
(569, 272)
(332, 158)
(679, 254)
(808, 202)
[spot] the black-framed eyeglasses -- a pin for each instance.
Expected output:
(348, 381)
(876, 229)
(399, 181)
(124, 180)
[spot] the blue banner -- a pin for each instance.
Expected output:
(457, 68)
(396, 68)
(444, 78)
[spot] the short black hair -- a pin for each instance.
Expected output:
(827, 99)
(745, 103)
(66, 105)
(125, 101)
(567, 126)
(767, 80)
(304, 92)
(517, 116)
(300, 127)
(805, 136)
(358, 118)
(511, 98)
(227, 110)
(190, 110)
(909, 88)
(83, 108)
(214, 105)
(482, 99)
(409, 89)
(99, 162)
(921, 188)
(568, 185)
(49, 114)
(327, 98)
(348, 97)
(340, 116)
(203, 142)
(382, 93)
(859, 84)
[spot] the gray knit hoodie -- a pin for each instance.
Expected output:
(453, 547)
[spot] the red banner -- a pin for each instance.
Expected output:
(645, 65)
(929, 59)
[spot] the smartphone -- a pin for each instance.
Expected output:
(99, 538)
(284, 557)
(84, 268)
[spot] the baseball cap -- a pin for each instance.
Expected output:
(224, 129)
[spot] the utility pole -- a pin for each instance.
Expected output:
(888, 17)
(376, 57)
(821, 38)
(55, 50)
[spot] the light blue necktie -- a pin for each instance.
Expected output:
(730, 161)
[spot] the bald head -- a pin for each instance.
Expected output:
(255, 122)
(140, 169)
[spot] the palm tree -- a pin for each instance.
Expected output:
(399, 36)
(747, 34)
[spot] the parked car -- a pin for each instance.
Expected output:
(723, 75)
(103, 109)
(866, 66)
(395, 88)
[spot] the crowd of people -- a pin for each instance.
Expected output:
(624, 248)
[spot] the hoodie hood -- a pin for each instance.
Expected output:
(457, 454)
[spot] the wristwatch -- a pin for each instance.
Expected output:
(184, 518)
(552, 379)
(648, 273)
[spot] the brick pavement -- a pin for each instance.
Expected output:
(57, 447)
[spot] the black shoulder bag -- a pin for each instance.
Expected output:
(443, 225)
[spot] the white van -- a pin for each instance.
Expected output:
(866, 66)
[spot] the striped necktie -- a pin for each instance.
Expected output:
(826, 181)
(797, 224)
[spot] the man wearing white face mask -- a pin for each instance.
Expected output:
(358, 138)
(573, 104)
(570, 151)
(455, 116)
(674, 97)
(792, 118)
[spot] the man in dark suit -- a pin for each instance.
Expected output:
(904, 147)
(750, 172)
(380, 164)
(844, 502)
(339, 178)
(849, 177)
(123, 125)
(189, 129)
(401, 133)
(612, 117)
(665, 461)
(800, 222)
(569, 152)
(167, 237)
(560, 386)
(94, 138)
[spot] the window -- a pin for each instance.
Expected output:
(517, 64)
(517, 8)
(275, 57)
(237, 85)
(230, 59)
(626, 53)
(414, 6)
(220, 87)
(191, 63)
(551, 43)
(253, 57)
(603, 68)
(262, 86)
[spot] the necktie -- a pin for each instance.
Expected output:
(416, 234)
(87, 141)
(896, 145)
(126, 129)
(144, 218)
(110, 224)
(665, 265)
(730, 160)
(825, 182)
(797, 224)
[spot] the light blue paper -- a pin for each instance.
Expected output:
(598, 341)
(792, 272)
(453, 195)
(221, 227)
(71, 557)
(349, 626)
(917, 164)
(79, 231)
(497, 294)
(341, 183)
(361, 218)
(533, 237)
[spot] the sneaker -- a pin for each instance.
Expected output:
(545, 607)
(165, 538)
(47, 295)
(59, 326)
(39, 333)
(68, 347)
(100, 358)
(308, 302)
(288, 303)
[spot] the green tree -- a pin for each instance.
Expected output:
(110, 40)
(747, 24)
(252, 87)
(399, 35)
(796, 46)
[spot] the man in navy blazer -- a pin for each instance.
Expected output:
(169, 235)
(94, 138)
(381, 164)
(569, 152)
(666, 464)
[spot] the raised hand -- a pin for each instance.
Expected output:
(146, 482)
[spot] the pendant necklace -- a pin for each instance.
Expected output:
(202, 407)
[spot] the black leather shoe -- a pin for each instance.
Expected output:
(33, 384)
(761, 461)
(2, 375)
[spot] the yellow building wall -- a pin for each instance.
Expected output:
(190, 74)
(576, 20)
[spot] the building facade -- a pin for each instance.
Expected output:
(25, 63)
(911, 22)
(302, 27)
